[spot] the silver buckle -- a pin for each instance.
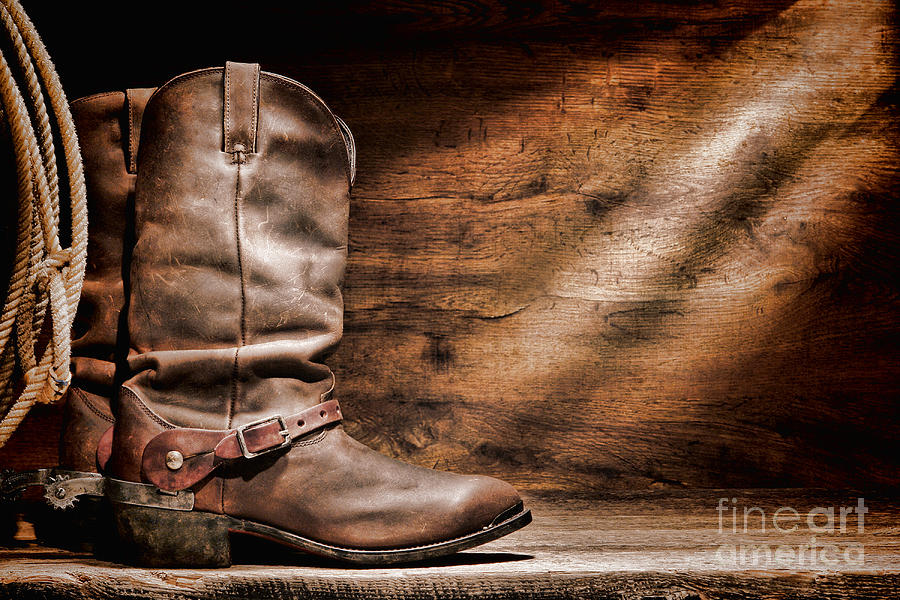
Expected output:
(242, 443)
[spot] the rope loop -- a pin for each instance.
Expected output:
(46, 281)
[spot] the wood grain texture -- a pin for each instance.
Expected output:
(633, 261)
(619, 246)
(634, 545)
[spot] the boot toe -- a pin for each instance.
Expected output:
(487, 501)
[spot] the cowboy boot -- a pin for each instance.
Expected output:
(108, 126)
(227, 422)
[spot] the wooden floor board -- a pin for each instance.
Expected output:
(637, 545)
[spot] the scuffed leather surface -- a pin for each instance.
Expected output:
(248, 258)
(186, 300)
(135, 427)
(328, 487)
(338, 491)
(106, 126)
(99, 122)
(204, 450)
(86, 417)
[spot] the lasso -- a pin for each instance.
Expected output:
(46, 280)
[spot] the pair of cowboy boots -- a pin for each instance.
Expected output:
(225, 417)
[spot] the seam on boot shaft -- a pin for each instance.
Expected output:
(80, 395)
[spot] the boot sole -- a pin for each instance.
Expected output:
(172, 538)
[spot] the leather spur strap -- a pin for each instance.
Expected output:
(178, 458)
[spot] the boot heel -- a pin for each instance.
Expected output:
(171, 538)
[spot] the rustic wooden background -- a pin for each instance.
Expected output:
(593, 247)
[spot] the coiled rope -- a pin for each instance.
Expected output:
(46, 279)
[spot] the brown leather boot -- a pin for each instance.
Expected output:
(108, 127)
(228, 417)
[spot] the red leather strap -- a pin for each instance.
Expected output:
(201, 451)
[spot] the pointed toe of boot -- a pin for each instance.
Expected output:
(486, 502)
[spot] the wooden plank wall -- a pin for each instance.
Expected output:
(634, 245)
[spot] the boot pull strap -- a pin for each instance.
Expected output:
(178, 458)
(241, 108)
(136, 98)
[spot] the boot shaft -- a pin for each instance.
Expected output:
(108, 127)
(241, 212)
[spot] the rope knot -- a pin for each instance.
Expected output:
(57, 260)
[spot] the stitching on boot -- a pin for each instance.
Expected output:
(243, 317)
(91, 406)
(255, 114)
(227, 85)
(235, 371)
(312, 441)
(132, 151)
(147, 411)
(238, 220)
(92, 97)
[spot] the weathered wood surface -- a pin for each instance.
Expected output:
(635, 545)
(634, 245)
